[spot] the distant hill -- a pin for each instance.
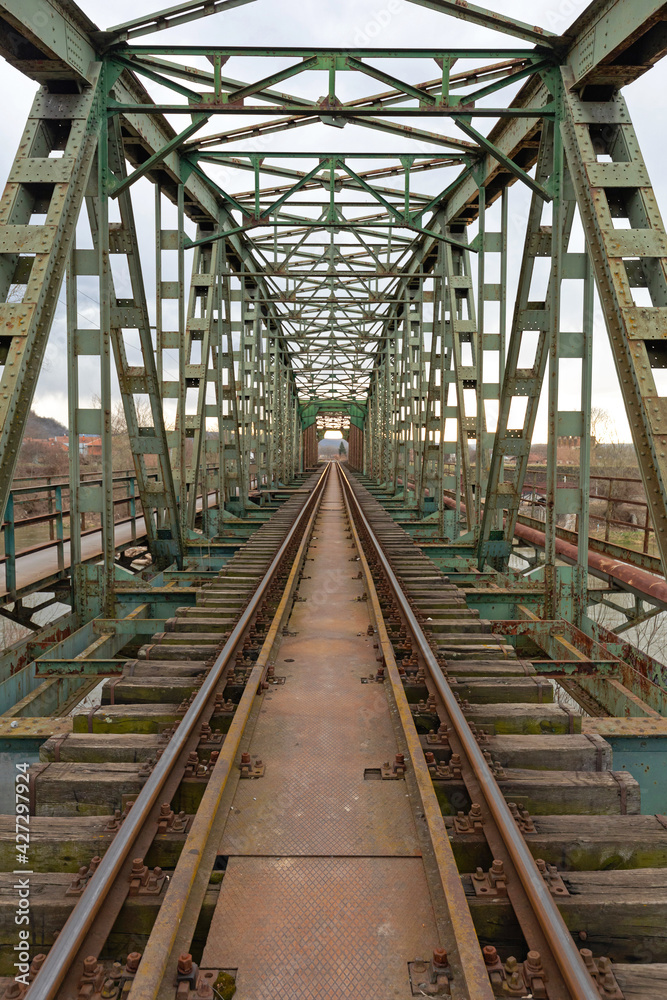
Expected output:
(43, 427)
(328, 448)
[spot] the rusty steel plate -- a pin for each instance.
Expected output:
(316, 735)
(325, 893)
(319, 731)
(317, 928)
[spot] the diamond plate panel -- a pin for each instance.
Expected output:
(318, 732)
(311, 928)
(325, 893)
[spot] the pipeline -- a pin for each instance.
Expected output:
(613, 570)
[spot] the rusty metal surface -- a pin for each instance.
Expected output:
(567, 972)
(316, 735)
(308, 928)
(634, 726)
(319, 730)
(341, 904)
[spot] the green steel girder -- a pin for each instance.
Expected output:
(339, 283)
(622, 189)
(33, 257)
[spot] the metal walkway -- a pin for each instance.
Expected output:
(325, 892)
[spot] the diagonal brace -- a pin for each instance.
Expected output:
(498, 155)
(489, 19)
(117, 187)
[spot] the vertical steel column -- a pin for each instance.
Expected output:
(479, 339)
(462, 331)
(630, 266)
(34, 255)
(231, 402)
(105, 291)
(524, 372)
(73, 431)
(389, 409)
(432, 469)
(555, 280)
(180, 452)
(138, 382)
(197, 374)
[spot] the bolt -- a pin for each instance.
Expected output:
(476, 810)
(245, 759)
(204, 988)
(184, 964)
(609, 986)
(115, 820)
(137, 866)
(490, 954)
(440, 958)
(533, 963)
(497, 867)
(89, 965)
(589, 961)
(133, 960)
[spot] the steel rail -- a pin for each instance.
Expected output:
(468, 962)
(171, 930)
(63, 953)
(564, 950)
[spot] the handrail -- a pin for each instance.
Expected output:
(57, 517)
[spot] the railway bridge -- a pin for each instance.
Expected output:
(351, 728)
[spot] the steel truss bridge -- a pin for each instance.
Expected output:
(312, 290)
(358, 281)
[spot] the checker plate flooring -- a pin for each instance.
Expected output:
(311, 928)
(325, 893)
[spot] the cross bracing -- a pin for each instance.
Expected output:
(340, 254)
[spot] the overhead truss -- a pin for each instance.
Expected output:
(358, 283)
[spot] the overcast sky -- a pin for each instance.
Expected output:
(345, 23)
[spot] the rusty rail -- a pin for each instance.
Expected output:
(564, 950)
(63, 955)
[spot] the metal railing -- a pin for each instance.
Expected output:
(37, 517)
(613, 490)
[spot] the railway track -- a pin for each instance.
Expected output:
(327, 777)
